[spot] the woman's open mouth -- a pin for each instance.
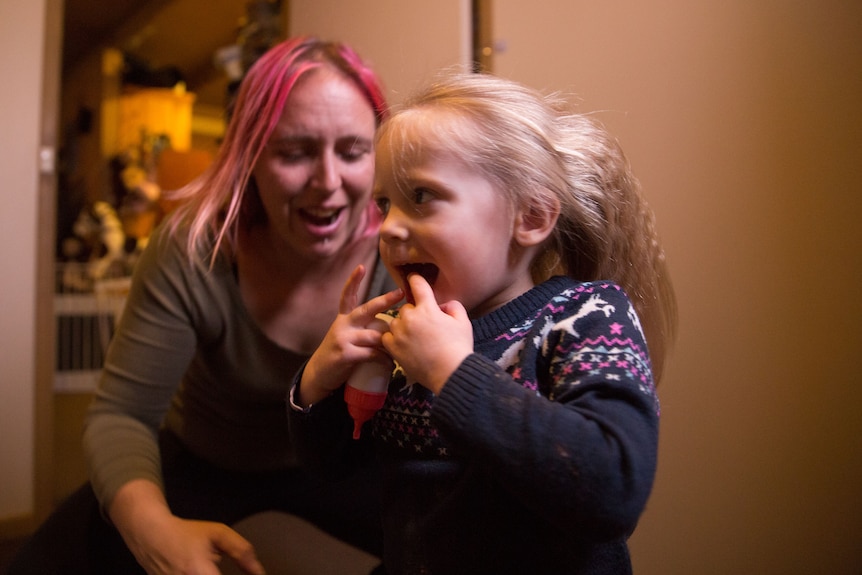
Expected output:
(426, 270)
(321, 218)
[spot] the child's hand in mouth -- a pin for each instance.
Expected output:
(426, 270)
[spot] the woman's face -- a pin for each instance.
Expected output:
(314, 176)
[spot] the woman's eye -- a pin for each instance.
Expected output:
(355, 150)
(291, 154)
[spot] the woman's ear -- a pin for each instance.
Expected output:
(535, 220)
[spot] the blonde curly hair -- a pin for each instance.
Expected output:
(541, 153)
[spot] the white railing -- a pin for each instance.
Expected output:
(85, 311)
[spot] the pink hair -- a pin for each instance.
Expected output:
(218, 202)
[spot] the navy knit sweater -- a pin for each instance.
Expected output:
(538, 455)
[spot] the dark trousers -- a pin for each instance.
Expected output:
(76, 538)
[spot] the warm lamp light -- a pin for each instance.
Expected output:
(165, 111)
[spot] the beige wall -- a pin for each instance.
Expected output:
(405, 41)
(21, 52)
(743, 122)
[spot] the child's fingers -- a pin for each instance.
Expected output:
(350, 292)
(349, 303)
(421, 289)
(455, 309)
(366, 312)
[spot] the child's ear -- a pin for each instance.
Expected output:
(535, 220)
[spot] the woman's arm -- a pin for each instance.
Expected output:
(148, 355)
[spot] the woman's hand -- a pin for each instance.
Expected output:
(348, 342)
(166, 545)
(186, 547)
(429, 340)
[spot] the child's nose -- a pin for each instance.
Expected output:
(392, 229)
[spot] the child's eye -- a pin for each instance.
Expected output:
(382, 205)
(421, 195)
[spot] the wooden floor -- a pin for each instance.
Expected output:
(8, 548)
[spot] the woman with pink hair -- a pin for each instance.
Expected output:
(187, 433)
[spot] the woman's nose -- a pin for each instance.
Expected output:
(327, 176)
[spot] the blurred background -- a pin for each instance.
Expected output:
(742, 120)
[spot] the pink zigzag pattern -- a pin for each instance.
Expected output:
(411, 403)
(626, 343)
(554, 309)
(517, 336)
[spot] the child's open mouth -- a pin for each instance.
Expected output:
(427, 271)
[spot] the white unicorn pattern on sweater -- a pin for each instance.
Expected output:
(592, 305)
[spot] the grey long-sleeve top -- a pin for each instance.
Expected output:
(188, 355)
